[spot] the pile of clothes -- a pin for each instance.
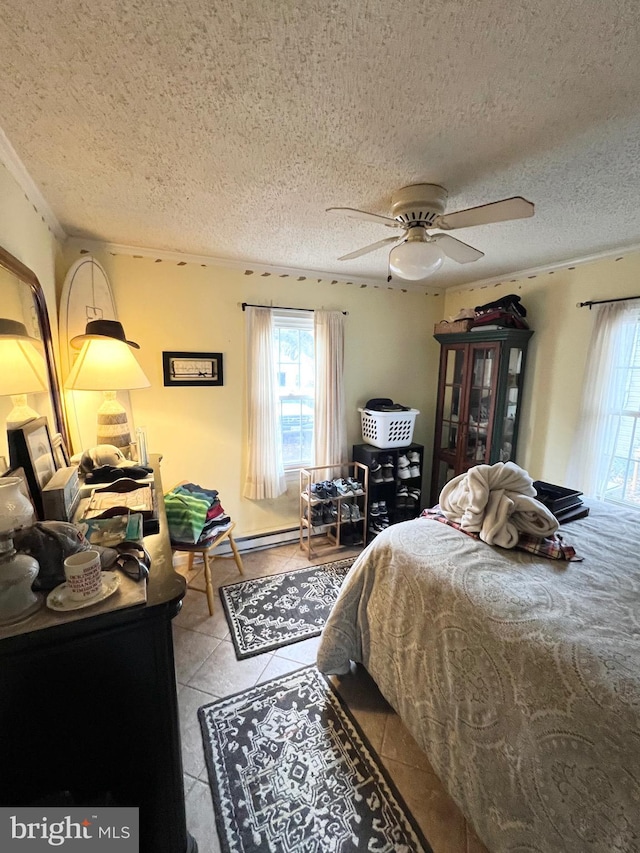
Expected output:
(498, 502)
(507, 313)
(195, 515)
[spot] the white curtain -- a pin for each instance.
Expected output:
(265, 472)
(604, 395)
(330, 424)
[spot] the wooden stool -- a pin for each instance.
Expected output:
(208, 557)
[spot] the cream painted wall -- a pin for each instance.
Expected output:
(558, 351)
(201, 432)
(24, 233)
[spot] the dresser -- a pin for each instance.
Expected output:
(88, 705)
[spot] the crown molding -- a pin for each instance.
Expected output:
(246, 267)
(545, 269)
(260, 269)
(18, 171)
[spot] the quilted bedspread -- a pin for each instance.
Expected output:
(519, 676)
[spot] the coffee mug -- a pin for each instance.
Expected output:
(83, 574)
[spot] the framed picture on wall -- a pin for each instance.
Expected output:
(30, 448)
(192, 368)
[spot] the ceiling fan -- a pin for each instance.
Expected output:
(416, 210)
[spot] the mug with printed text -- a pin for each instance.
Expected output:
(83, 574)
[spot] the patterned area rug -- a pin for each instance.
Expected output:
(266, 613)
(290, 771)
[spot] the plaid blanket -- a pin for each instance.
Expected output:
(552, 547)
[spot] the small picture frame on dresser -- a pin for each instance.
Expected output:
(60, 452)
(30, 448)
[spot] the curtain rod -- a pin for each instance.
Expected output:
(281, 308)
(603, 301)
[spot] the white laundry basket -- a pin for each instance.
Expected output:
(388, 429)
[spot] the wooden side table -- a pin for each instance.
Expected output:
(208, 558)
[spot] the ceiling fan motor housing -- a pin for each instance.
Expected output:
(418, 204)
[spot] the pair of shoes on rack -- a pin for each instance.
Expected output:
(401, 497)
(378, 508)
(323, 491)
(347, 487)
(413, 499)
(355, 486)
(379, 516)
(342, 486)
(329, 489)
(387, 470)
(317, 515)
(375, 472)
(409, 466)
(377, 525)
(348, 512)
(340, 511)
(322, 514)
(350, 534)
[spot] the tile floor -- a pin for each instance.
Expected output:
(207, 669)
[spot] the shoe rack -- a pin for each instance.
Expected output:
(395, 487)
(333, 513)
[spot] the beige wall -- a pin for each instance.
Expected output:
(558, 351)
(201, 432)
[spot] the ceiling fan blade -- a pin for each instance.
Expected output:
(457, 250)
(370, 248)
(498, 211)
(369, 217)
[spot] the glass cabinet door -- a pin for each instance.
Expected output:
(452, 399)
(481, 397)
(513, 391)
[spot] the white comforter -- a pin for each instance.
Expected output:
(519, 676)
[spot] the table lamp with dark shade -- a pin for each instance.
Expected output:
(106, 363)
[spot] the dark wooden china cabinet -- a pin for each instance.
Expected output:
(479, 399)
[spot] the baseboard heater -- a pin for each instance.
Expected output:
(261, 541)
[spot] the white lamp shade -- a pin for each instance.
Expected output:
(414, 260)
(22, 368)
(106, 365)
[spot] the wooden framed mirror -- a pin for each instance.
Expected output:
(22, 300)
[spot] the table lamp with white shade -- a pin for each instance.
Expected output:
(106, 363)
(23, 370)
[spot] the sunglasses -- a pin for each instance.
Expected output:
(133, 560)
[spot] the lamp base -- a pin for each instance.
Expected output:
(113, 425)
(21, 413)
(17, 573)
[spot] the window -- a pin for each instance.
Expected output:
(295, 368)
(605, 459)
(623, 451)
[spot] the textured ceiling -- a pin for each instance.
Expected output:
(226, 128)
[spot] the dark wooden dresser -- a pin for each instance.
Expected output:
(88, 706)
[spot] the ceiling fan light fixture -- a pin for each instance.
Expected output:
(415, 258)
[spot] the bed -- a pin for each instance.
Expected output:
(518, 675)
